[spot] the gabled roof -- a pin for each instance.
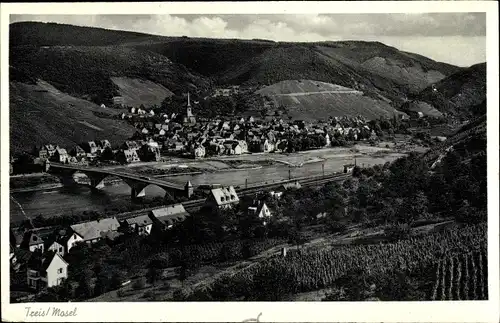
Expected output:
(224, 195)
(30, 239)
(41, 262)
(140, 220)
(92, 230)
(170, 214)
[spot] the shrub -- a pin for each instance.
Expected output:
(139, 283)
(398, 231)
(120, 293)
(148, 294)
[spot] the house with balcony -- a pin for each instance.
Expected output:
(45, 270)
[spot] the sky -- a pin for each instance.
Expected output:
(455, 38)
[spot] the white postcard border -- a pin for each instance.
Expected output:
(458, 311)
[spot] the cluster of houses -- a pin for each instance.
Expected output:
(228, 91)
(182, 134)
(79, 154)
(88, 152)
(42, 252)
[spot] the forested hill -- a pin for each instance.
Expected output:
(460, 93)
(38, 34)
(371, 67)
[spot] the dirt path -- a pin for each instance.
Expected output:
(320, 92)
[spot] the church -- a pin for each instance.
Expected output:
(188, 118)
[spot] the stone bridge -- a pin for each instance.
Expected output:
(137, 183)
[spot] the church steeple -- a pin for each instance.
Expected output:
(189, 113)
(189, 117)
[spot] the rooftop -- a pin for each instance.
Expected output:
(92, 230)
(224, 195)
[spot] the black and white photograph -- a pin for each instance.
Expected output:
(247, 157)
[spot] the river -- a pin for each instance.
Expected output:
(68, 201)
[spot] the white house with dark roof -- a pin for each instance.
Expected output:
(47, 270)
(94, 231)
(222, 198)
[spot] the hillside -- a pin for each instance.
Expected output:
(470, 137)
(312, 100)
(94, 65)
(52, 34)
(372, 67)
(40, 114)
(456, 94)
(136, 91)
(86, 71)
(419, 106)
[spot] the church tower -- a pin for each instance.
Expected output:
(189, 117)
(189, 113)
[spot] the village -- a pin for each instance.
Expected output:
(161, 136)
(41, 253)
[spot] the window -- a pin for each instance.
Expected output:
(60, 249)
(59, 271)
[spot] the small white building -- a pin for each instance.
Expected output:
(47, 270)
(260, 210)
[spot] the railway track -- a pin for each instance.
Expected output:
(196, 204)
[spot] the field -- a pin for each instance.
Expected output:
(136, 91)
(313, 100)
(307, 271)
(462, 277)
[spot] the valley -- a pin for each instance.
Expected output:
(158, 168)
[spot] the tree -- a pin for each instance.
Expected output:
(263, 112)
(183, 272)
(84, 290)
(116, 280)
(414, 208)
(102, 284)
(107, 154)
(152, 275)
